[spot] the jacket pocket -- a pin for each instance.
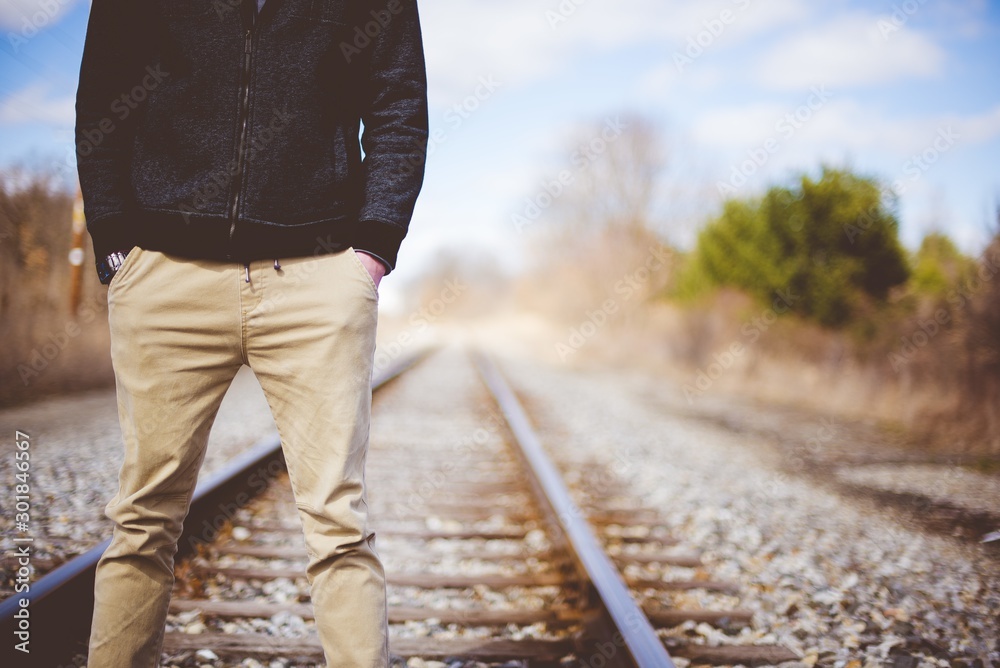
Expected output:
(331, 12)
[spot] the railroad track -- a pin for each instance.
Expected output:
(488, 557)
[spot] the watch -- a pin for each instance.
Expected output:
(109, 266)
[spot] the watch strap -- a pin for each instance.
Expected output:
(109, 266)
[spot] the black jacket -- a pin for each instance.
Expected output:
(206, 130)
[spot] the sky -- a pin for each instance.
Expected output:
(745, 93)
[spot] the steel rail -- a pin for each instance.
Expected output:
(631, 628)
(60, 604)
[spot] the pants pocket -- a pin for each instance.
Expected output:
(127, 263)
(361, 268)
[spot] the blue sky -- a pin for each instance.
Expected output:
(892, 78)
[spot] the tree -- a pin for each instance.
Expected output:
(617, 167)
(598, 214)
(938, 266)
(829, 246)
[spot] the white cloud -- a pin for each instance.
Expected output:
(520, 42)
(962, 18)
(844, 132)
(982, 127)
(737, 127)
(861, 129)
(849, 51)
(840, 124)
(36, 102)
(30, 15)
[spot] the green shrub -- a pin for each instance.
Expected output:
(938, 266)
(829, 246)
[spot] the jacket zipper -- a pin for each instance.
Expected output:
(243, 118)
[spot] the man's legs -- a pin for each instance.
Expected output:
(311, 343)
(175, 347)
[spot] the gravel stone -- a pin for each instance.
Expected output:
(832, 578)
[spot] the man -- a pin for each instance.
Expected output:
(236, 222)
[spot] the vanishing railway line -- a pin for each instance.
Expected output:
(488, 557)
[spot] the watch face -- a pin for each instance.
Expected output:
(105, 272)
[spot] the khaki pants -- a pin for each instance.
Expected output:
(180, 330)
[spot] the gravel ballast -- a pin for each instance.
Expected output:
(837, 579)
(829, 577)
